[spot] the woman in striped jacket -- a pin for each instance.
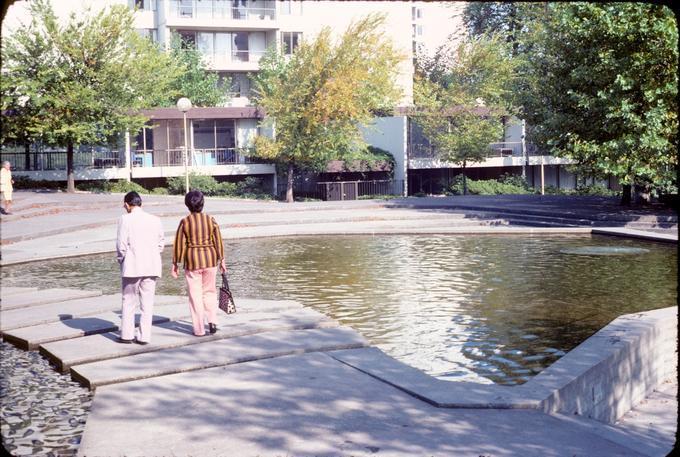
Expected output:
(198, 245)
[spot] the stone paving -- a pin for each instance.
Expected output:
(278, 379)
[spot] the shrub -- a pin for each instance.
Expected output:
(159, 191)
(490, 186)
(124, 187)
(24, 182)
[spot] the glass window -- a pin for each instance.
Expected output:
(291, 7)
(413, 13)
(186, 8)
(206, 44)
(223, 45)
(204, 133)
(290, 41)
(240, 85)
(240, 46)
(188, 39)
(224, 133)
(419, 30)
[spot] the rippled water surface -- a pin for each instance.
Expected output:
(484, 308)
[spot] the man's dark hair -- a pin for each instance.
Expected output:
(194, 201)
(133, 199)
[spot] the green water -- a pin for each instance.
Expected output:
(480, 308)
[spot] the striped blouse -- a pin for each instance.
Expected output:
(198, 242)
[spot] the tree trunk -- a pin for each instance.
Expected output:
(289, 187)
(625, 195)
(70, 177)
(27, 156)
(464, 179)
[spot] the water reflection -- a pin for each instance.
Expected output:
(480, 308)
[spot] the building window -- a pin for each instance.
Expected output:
(290, 41)
(416, 13)
(188, 39)
(419, 30)
(146, 5)
(290, 7)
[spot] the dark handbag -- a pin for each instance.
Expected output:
(226, 300)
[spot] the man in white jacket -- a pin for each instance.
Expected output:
(139, 245)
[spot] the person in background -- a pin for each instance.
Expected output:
(6, 187)
(198, 245)
(139, 244)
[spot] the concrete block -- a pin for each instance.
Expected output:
(59, 311)
(168, 335)
(40, 297)
(215, 353)
(29, 338)
(609, 373)
(6, 291)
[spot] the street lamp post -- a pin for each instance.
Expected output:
(184, 105)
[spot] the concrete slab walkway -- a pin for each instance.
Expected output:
(312, 405)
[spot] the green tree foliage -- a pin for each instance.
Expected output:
(461, 95)
(194, 82)
(604, 88)
(318, 97)
(80, 83)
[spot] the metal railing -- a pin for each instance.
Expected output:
(217, 10)
(501, 149)
(226, 56)
(343, 190)
(196, 157)
(56, 160)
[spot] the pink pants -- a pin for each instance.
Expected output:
(202, 297)
(137, 290)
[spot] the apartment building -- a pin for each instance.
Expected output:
(232, 36)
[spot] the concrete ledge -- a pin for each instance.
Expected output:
(443, 394)
(640, 234)
(603, 378)
(610, 372)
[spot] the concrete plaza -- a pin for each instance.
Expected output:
(282, 380)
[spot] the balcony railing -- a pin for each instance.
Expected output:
(217, 10)
(505, 149)
(226, 57)
(196, 157)
(56, 160)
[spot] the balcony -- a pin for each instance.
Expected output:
(197, 157)
(221, 13)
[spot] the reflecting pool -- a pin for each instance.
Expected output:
(494, 309)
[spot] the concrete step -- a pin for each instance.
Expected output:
(217, 353)
(7, 291)
(67, 353)
(29, 338)
(41, 297)
(59, 311)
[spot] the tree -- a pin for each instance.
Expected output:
(461, 95)
(84, 82)
(194, 82)
(317, 98)
(604, 88)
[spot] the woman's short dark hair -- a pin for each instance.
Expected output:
(133, 199)
(194, 201)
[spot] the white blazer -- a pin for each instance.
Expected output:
(139, 244)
